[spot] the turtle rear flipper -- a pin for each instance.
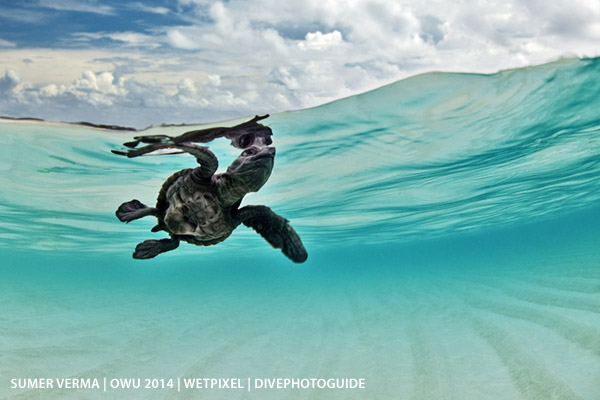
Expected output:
(152, 248)
(274, 229)
(134, 209)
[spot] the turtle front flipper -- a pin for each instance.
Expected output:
(145, 149)
(274, 229)
(152, 248)
(134, 209)
(242, 135)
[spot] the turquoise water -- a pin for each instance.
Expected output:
(451, 220)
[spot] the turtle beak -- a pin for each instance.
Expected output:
(266, 152)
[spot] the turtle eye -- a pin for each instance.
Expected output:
(249, 152)
(245, 140)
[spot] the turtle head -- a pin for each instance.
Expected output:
(251, 170)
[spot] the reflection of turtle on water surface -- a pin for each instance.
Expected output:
(200, 207)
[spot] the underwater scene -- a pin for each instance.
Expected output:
(452, 224)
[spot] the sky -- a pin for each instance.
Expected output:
(137, 63)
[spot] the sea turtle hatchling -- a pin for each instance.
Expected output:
(203, 208)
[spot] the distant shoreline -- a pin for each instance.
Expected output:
(82, 123)
(117, 128)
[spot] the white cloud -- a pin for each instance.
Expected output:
(149, 9)
(180, 40)
(6, 43)
(319, 41)
(101, 83)
(79, 6)
(127, 39)
(9, 81)
(358, 46)
(103, 97)
(134, 39)
(253, 56)
(22, 15)
(194, 2)
(51, 90)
